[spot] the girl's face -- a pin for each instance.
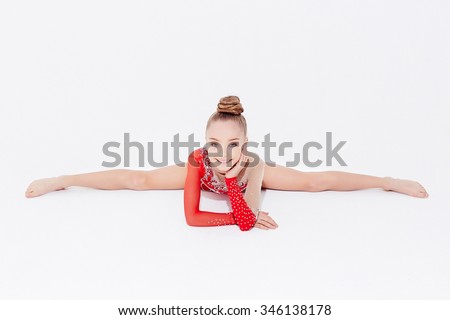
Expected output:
(224, 142)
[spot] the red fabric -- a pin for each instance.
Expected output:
(197, 176)
(208, 180)
(244, 216)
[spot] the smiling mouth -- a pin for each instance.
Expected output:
(223, 161)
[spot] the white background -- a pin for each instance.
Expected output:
(75, 75)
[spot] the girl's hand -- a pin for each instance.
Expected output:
(240, 164)
(265, 222)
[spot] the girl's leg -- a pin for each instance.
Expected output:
(283, 178)
(169, 177)
(289, 179)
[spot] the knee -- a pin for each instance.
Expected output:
(137, 181)
(320, 181)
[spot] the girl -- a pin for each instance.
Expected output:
(224, 166)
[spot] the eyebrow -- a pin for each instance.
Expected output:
(228, 140)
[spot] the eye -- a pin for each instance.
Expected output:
(234, 144)
(213, 144)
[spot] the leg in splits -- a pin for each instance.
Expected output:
(283, 178)
(166, 178)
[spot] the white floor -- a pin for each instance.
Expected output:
(155, 71)
(95, 244)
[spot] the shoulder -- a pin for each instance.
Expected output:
(196, 158)
(197, 154)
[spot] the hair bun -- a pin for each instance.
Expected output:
(230, 104)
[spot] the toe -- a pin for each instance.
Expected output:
(419, 194)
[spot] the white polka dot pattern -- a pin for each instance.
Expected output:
(244, 216)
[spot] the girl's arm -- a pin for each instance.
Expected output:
(252, 195)
(245, 217)
(243, 205)
(192, 192)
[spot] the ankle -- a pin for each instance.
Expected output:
(387, 183)
(63, 181)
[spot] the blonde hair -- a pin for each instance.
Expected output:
(229, 108)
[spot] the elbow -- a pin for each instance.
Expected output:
(190, 221)
(245, 227)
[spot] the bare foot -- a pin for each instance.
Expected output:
(43, 186)
(408, 187)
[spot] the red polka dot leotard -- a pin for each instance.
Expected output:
(201, 177)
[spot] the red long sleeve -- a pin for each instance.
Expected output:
(244, 216)
(195, 217)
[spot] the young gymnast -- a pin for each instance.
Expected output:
(223, 166)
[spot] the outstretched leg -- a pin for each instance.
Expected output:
(289, 179)
(284, 178)
(169, 177)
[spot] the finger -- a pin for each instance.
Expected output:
(272, 221)
(265, 216)
(266, 224)
(244, 160)
(269, 220)
(260, 226)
